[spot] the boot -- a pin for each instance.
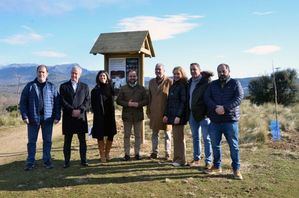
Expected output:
(107, 149)
(101, 145)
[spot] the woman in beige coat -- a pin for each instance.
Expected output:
(158, 92)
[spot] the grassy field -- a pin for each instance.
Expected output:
(270, 169)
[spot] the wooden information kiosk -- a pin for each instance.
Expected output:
(122, 52)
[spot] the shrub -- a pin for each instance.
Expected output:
(261, 89)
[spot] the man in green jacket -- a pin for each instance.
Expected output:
(132, 97)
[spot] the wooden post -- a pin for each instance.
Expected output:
(141, 81)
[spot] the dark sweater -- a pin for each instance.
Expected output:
(229, 96)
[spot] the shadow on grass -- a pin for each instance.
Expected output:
(14, 178)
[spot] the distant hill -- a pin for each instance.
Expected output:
(9, 75)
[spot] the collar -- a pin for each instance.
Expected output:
(132, 85)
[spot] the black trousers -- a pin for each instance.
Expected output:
(67, 147)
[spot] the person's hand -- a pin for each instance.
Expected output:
(76, 113)
(177, 120)
(130, 103)
(165, 119)
(56, 121)
(135, 104)
(26, 121)
(220, 110)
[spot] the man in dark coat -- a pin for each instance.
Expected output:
(198, 121)
(223, 98)
(75, 101)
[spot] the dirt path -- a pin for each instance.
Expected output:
(13, 142)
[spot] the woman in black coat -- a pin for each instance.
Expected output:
(176, 114)
(102, 103)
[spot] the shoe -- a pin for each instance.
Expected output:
(48, 165)
(175, 164)
(29, 167)
(153, 156)
(137, 157)
(213, 170)
(84, 164)
(103, 160)
(208, 166)
(237, 175)
(66, 165)
(167, 157)
(127, 158)
(195, 163)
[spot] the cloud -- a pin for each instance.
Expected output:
(50, 54)
(22, 38)
(263, 13)
(160, 28)
(263, 49)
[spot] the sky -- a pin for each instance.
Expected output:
(252, 36)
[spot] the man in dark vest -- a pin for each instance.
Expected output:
(75, 102)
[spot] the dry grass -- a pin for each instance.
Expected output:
(8, 119)
(267, 171)
(255, 120)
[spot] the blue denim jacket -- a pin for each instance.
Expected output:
(29, 103)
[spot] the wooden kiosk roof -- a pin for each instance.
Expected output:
(123, 43)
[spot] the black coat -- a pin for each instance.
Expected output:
(198, 106)
(71, 100)
(102, 105)
(177, 103)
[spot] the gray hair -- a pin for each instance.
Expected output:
(160, 65)
(77, 67)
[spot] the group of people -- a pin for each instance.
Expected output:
(210, 107)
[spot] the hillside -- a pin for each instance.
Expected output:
(11, 74)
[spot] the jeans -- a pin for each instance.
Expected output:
(167, 141)
(33, 129)
(230, 130)
(196, 136)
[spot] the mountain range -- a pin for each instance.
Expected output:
(14, 74)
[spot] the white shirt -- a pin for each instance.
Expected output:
(74, 85)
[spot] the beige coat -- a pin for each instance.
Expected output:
(157, 102)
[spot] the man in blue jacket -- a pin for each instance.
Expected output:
(223, 98)
(40, 107)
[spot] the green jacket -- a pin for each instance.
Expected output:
(134, 94)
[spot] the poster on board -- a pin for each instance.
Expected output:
(132, 64)
(117, 71)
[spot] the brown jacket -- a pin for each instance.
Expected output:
(135, 94)
(157, 102)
